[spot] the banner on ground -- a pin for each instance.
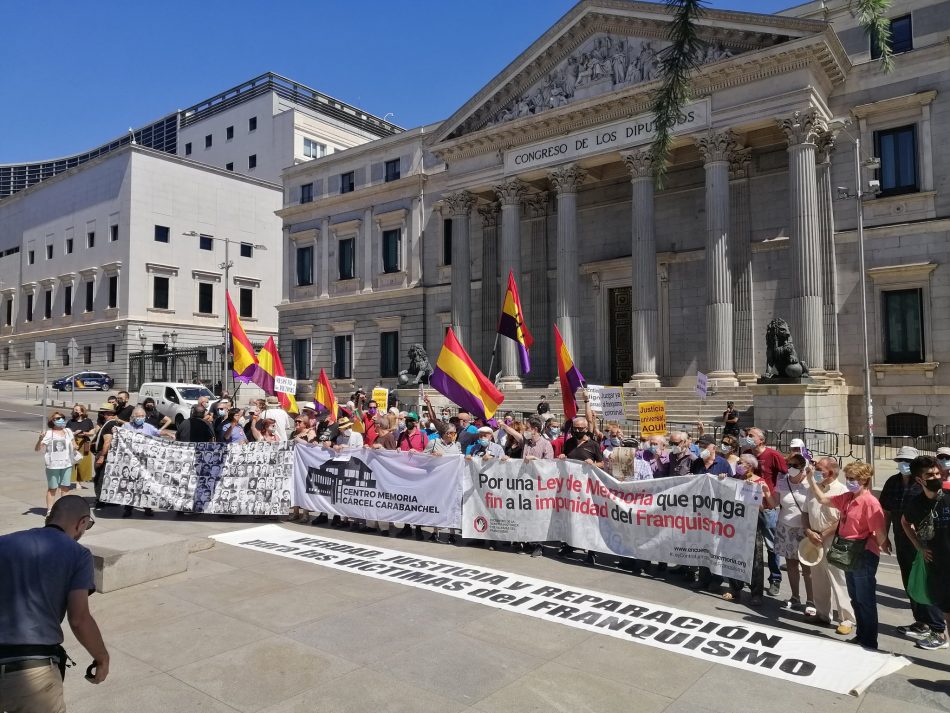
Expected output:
(687, 520)
(779, 653)
(387, 486)
(216, 478)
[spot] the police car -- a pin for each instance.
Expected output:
(88, 380)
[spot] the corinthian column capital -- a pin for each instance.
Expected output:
(460, 203)
(640, 163)
(739, 163)
(803, 127)
(536, 204)
(489, 214)
(511, 191)
(566, 179)
(825, 142)
(718, 146)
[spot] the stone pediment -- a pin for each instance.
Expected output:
(608, 46)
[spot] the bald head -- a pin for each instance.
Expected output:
(71, 513)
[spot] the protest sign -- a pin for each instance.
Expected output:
(687, 520)
(381, 397)
(285, 385)
(218, 478)
(779, 653)
(652, 418)
(389, 486)
(592, 394)
(702, 384)
(611, 401)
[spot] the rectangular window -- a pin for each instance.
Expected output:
(160, 292)
(347, 182)
(343, 356)
(87, 355)
(205, 298)
(188, 149)
(903, 326)
(69, 246)
(8, 318)
(65, 356)
(68, 300)
(110, 353)
(162, 233)
(29, 307)
(902, 37)
(205, 242)
(897, 149)
(49, 252)
(252, 124)
(392, 170)
(246, 303)
(30, 257)
(48, 304)
(389, 354)
(305, 265)
(229, 166)
(301, 348)
(113, 291)
(313, 149)
(447, 241)
(27, 360)
(113, 233)
(90, 294)
(91, 239)
(347, 259)
(229, 133)
(247, 250)
(6, 358)
(252, 161)
(208, 141)
(306, 193)
(392, 248)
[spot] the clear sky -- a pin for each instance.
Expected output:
(77, 74)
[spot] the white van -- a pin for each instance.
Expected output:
(174, 400)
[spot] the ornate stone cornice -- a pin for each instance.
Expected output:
(639, 163)
(489, 214)
(803, 127)
(566, 179)
(536, 204)
(826, 146)
(717, 146)
(459, 204)
(511, 191)
(739, 164)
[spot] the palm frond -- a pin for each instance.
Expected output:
(677, 63)
(872, 16)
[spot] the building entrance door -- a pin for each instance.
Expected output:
(620, 329)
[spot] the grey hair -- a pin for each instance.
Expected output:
(750, 460)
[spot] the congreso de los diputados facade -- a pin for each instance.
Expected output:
(546, 172)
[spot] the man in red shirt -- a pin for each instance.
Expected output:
(772, 465)
(412, 439)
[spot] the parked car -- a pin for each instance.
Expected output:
(174, 400)
(85, 380)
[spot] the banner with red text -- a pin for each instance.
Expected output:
(688, 520)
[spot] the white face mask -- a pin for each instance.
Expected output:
(676, 450)
(705, 454)
(794, 472)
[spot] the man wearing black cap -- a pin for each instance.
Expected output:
(709, 460)
(730, 420)
(101, 445)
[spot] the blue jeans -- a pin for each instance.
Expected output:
(862, 588)
(771, 521)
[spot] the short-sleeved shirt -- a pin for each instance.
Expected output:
(146, 428)
(416, 440)
(443, 448)
(574, 450)
(682, 464)
(538, 448)
(720, 466)
(771, 463)
(40, 568)
(860, 517)
(916, 510)
(57, 445)
(896, 493)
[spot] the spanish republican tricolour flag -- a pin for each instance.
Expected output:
(457, 378)
(570, 377)
(512, 323)
(241, 350)
(323, 395)
(269, 365)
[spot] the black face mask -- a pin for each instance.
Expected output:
(933, 485)
(578, 433)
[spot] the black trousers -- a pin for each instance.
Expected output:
(923, 613)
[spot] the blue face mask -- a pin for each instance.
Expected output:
(853, 486)
(138, 421)
(59, 422)
(903, 468)
(483, 442)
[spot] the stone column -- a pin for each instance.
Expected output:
(802, 130)
(740, 253)
(490, 290)
(829, 261)
(460, 208)
(716, 150)
(534, 295)
(643, 279)
(510, 194)
(565, 181)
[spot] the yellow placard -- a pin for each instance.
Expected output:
(381, 397)
(652, 418)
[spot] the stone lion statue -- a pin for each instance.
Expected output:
(419, 369)
(780, 356)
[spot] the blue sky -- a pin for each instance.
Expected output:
(77, 74)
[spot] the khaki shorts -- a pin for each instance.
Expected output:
(32, 690)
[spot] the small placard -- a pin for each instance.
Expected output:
(285, 385)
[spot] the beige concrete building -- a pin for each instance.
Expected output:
(546, 172)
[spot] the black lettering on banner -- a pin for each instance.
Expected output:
(797, 667)
(717, 648)
(753, 657)
(673, 638)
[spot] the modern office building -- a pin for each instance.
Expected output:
(546, 172)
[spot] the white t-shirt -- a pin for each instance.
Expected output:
(354, 440)
(820, 516)
(59, 445)
(282, 420)
(791, 501)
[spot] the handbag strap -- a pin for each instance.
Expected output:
(792, 493)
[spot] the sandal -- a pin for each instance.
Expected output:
(811, 610)
(729, 597)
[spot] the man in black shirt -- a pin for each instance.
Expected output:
(101, 445)
(123, 407)
(195, 429)
(931, 505)
(730, 420)
(543, 406)
(581, 446)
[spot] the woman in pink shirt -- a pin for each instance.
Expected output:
(862, 518)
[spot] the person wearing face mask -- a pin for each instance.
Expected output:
(264, 430)
(926, 522)
(412, 439)
(943, 460)
(31, 633)
(153, 416)
(898, 490)
(829, 590)
(140, 425)
(484, 446)
(747, 469)
(861, 519)
(83, 430)
(58, 446)
(219, 416)
(580, 444)
(771, 465)
(123, 409)
(680, 456)
(790, 531)
(729, 449)
(709, 460)
(368, 417)
(657, 456)
(283, 423)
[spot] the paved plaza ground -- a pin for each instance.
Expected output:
(250, 631)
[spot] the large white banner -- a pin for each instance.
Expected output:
(216, 478)
(800, 658)
(388, 486)
(689, 520)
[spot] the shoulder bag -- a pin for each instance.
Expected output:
(843, 553)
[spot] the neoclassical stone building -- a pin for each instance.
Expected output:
(546, 172)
